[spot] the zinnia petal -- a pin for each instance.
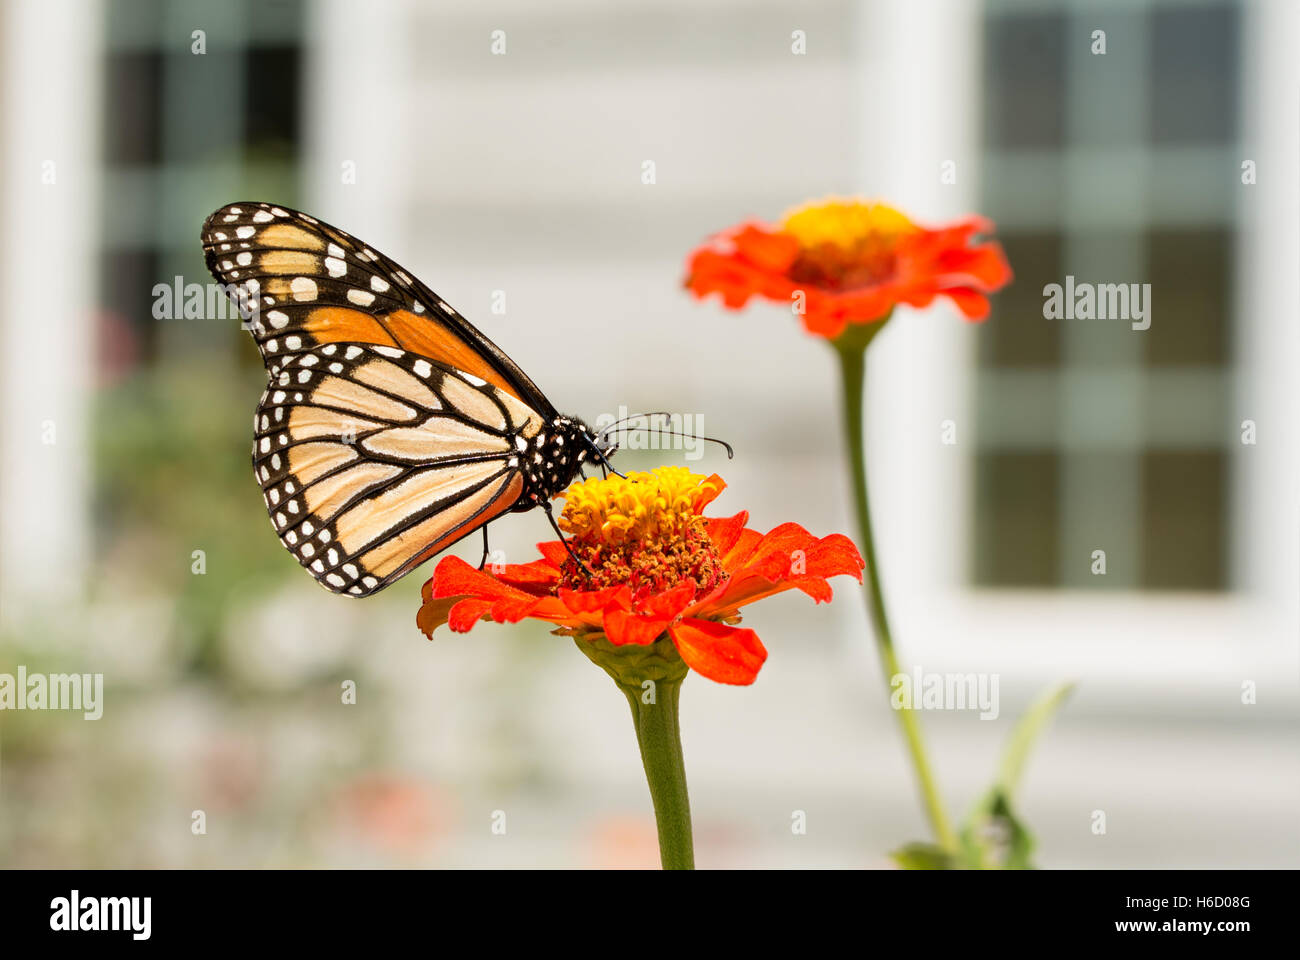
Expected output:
(973, 304)
(623, 627)
(466, 612)
(453, 577)
(769, 249)
(670, 603)
(671, 544)
(539, 576)
(723, 654)
(589, 601)
(787, 558)
(853, 261)
(725, 531)
(433, 614)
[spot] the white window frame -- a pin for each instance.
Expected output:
(921, 373)
(47, 330)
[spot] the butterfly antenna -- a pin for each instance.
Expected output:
(636, 416)
(649, 428)
(731, 453)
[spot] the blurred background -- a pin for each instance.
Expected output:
(124, 428)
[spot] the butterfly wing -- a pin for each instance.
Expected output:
(306, 283)
(391, 427)
(372, 459)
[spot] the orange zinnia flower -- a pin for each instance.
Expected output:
(852, 261)
(658, 567)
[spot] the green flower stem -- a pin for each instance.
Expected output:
(851, 348)
(651, 679)
(659, 736)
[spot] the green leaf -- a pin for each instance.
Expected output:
(993, 836)
(924, 856)
(1026, 731)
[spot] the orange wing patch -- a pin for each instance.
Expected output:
(290, 237)
(342, 325)
(288, 263)
(425, 335)
(429, 337)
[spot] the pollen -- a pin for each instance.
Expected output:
(844, 222)
(845, 243)
(645, 531)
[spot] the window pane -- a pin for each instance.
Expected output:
(1017, 514)
(1195, 63)
(1024, 80)
(132, 133)
(1189, 272)
(271, 129)
(1016, 335)
(1183, 520)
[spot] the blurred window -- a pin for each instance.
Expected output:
(1112, 168)
(167, 163)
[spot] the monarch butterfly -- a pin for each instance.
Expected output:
(390, 427)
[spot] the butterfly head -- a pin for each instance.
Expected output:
(601, 444)
(554, 456)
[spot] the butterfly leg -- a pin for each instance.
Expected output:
(607, 468)
(564, 540)
(483, 562)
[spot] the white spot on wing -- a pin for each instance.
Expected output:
(303, 288)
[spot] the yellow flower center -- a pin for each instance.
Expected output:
(644, 531)
(845, 243)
